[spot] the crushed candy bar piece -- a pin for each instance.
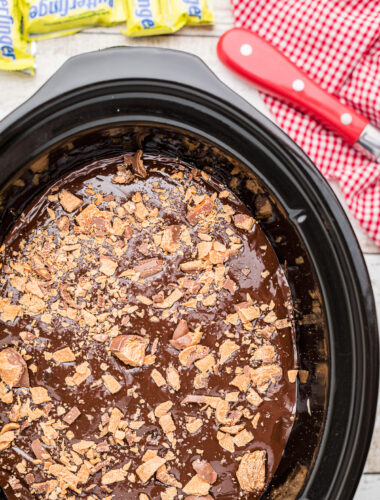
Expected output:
(141, 212)
(204, 248)
(193, 424)
(13, 369)
(40, 395)
(203, 209)
(158, 378)
(71, 415)
(171, 238)
(253, 398)
(147, 469)
(69, 201)
(232, 429)
(243, 221)
(169, 494)
(63, 223)
(201, 380)
(243, 438)
(32, 304)
(247, 311)
(114, 476)
(6, 438)
(82, 372)
(130, 349)
(9, 312)
(255, 420)
(186, 340)
(40, 452)
(251, 471)
(14, 483)
(303, 376)
(170, 300)
(87, 215)
(173, 377)
(83, 446)
(223, 414)
(135, 161)
(206, 364)
(111, 383)
(62, 473)
(181, 329)
(164, 477)
(264, 375)
(114, 420)
(44, 487)
(241, 381)
(191, 286)
(192, 353)
(226, 350)
(205, 471)
(167, 423)
(230, 286)
(123, 176)
(107, 265)
(192, 266)
(64, 355)
(149, 267)
(196, 486)
(264, 353)
(282, 323)
(163, 408)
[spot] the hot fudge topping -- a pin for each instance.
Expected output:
(146, 347)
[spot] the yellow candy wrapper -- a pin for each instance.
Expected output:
(196, 12)
(148, 17)
(177, 13)
(15, 52)
(51, 18)
(159, 17)
(152, 17)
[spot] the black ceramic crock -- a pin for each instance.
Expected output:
(103, 103)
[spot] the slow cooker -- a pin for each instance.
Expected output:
(163, 101)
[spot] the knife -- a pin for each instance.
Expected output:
(252, 57)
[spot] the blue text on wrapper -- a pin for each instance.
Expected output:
(6, 22)
(145, 14)
(63, 7)
(194, 8)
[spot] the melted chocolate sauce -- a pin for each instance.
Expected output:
(277, 411)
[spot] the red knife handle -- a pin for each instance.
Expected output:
(252, 57)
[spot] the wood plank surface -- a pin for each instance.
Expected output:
(51, 54)
(369, 487)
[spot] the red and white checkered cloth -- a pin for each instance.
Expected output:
(337, 43)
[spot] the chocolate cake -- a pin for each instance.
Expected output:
(147, 349)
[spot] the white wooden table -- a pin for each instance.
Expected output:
(51, 54)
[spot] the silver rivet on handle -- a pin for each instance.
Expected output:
(246, 49)
(346, 118)
(298, 85)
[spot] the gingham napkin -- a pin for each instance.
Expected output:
(337, 43)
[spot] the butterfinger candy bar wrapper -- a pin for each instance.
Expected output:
(196, 12)
(148, 17)
(15, 51)
(158, 17)
(51, 18)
